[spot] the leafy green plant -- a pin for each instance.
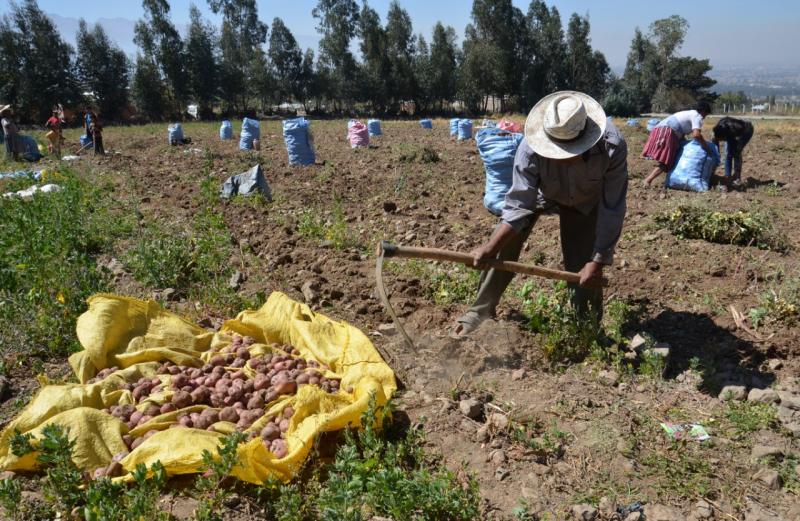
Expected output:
(11, 498)
(417, 154)
(681, 471)
(747, 417)
(215, 469)
(372, 476)
(780, 305)
(567, 335)
(744, 228)
(108, 500)
(48, 250)
(333, 229)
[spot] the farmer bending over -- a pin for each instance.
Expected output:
(663, 142)
(736, 133)
(572, 161)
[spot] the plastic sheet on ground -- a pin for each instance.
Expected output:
(426, 123)
(633, 122)
(35, 189)
(358, 135)
(497, 149)
(297, 135)
(137, 336)
(693, 167)
(246, 184)
(651, 124)
(21, 174)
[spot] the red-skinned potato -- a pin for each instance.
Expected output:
(152, 410)
(144, 420)
(238, 362)
(217, 361)
(284, 425)
(179, 380)
(211, 415)
(302, 378)
(270, 432)
(136, 443)
(174, 370)
(136, 416)
(288, 412)
(150, 433)
(114, 469)
(255, 402)
(201, 395)
(182, 399)
(127, 439)
(279, 448)
(286, 387)
(185, 421)
(229, 414)
(243, 352)
(167, 408)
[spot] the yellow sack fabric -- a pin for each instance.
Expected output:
(137, 336)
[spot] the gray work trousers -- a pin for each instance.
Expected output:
(577, 247)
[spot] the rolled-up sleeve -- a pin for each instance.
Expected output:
(520, 201)
(612, 207)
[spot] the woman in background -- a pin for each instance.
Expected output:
(663, 143)
(11, 133)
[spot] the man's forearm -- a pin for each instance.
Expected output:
(500, 237)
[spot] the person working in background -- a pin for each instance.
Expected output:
(576, 162)
(96, 131)
(11, 133)
(664, 140)
(53, 126)
(736, 133)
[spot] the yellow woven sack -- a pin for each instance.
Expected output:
(137, 336)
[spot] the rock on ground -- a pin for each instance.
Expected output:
(584, 512)
(763, 396)
(656, 512)
(733, 393)
(471, 408)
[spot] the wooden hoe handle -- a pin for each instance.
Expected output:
(410, 252)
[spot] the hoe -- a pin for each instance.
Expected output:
(388, 250)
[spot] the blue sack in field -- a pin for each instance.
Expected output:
(226, 130)
(86, 140)
(296, 134)
(426, 123)
(651, 124)
(251, 130)
(464, 129)
(693, 167)
(488, 123)
(497, 149)
(175, 134)
(28, 148)
(374, 127)
(633, 122)
(454, 127)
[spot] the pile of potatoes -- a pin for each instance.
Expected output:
(234, 386)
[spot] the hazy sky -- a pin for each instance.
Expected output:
(728, 32)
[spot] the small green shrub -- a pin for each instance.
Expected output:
(567, 335)
(743, 228)
(417, 154)
(778, 306)
(333, 229)
(747, 417)
(215, 470)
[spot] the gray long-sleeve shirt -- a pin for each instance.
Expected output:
(601, 181)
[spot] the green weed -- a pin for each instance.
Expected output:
(777, 306)
(747, 417)
(11, 498)
(214, 471)
(375, 477)
(417, 154)
(787, 467)
(333, 229)
(567, 335)
(48, 250)
(108, 500)
(681, 471)
(744, 228)
(457, 285)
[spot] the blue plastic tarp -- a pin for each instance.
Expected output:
(374, 127)
(497, 149)
(175, 134)
(464, 129)
(693, 167)
(651, 124)
(633, 122)
(426, 123)
(298, 142)
(226, 130)
(251, 129)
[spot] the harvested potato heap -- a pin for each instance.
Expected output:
(233, 387)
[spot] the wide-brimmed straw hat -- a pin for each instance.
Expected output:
(565, 124)
(4, 108)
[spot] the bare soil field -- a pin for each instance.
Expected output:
(546, 437)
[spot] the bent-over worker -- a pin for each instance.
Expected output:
(573, 161)
(736, 133)
(664, 140)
